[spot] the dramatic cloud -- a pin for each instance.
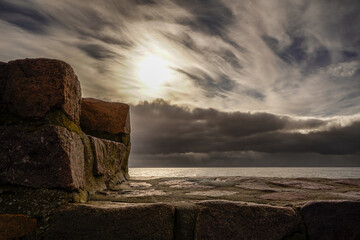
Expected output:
(223, 59)
(165, 130)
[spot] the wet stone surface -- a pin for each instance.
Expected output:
(273, 191)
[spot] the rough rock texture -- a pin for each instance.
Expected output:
(185, 221)
(51, 156)
(105, 119)
(30, 88)
(285, 196)
(14, 226)
(332, 220)
(109, 157)
(113, 221)
(234, 220)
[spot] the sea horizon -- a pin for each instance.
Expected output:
(281, 172)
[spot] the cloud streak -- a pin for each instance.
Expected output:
(276, 56)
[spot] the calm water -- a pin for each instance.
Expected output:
(295, 172)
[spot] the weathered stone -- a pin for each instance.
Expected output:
(141, 193)
(353, 182)
(332, 220)
(104, 117)
(113, 221)
(302, 184)
(15, 226)
(51, 156)
(348, 195)
(32, 87)
(284, 196)
(235, 220)
(109, 157)
(178, 183)
(185, 221)
(212, 193)
(258, 184)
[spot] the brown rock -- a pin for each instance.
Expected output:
(332, 220)
(104, 117)
(185, 221)
(33, 87)
(14, 226)
(113, 221)
(302, 184)
(236, 220)
(50, 156)
(108, 158)
(283, 196)
(351, 182)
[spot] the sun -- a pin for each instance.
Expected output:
(153, 72)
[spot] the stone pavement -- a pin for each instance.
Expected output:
(274, 191)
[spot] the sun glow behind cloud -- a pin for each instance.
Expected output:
(154, 72)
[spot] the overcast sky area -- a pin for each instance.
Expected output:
(210, 82)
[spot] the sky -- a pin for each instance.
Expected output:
(210, 83)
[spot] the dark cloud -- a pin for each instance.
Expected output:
(145, 2)
(255, 94)
(243, 159)
(184, 40)
(210, 16)
(230, 57)
(162, 130)
(96, 51)
(349, 55)
(213, 86)
(24, 17)
(295, 52)
(208, 130)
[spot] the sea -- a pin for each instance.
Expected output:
(280, 172)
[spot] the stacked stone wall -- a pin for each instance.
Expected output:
(44, 151)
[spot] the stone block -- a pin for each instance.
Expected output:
(108, 158)
(30, 88)
(236, 220)
(332, 219)
(113, 221)
(185, 220)
(49, 157)
(105, 119)
(15, 226)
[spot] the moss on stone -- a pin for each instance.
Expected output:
(53, 117)
(120, 137)
(57, 117)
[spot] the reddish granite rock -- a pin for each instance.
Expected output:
(14, 226)
(332, 220)
(50, 156)
(113, 221)
(32, 87)
(236, 220)
(104, 117)
(109, 157)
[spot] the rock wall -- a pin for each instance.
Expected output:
(54, 142)
(208, 220)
